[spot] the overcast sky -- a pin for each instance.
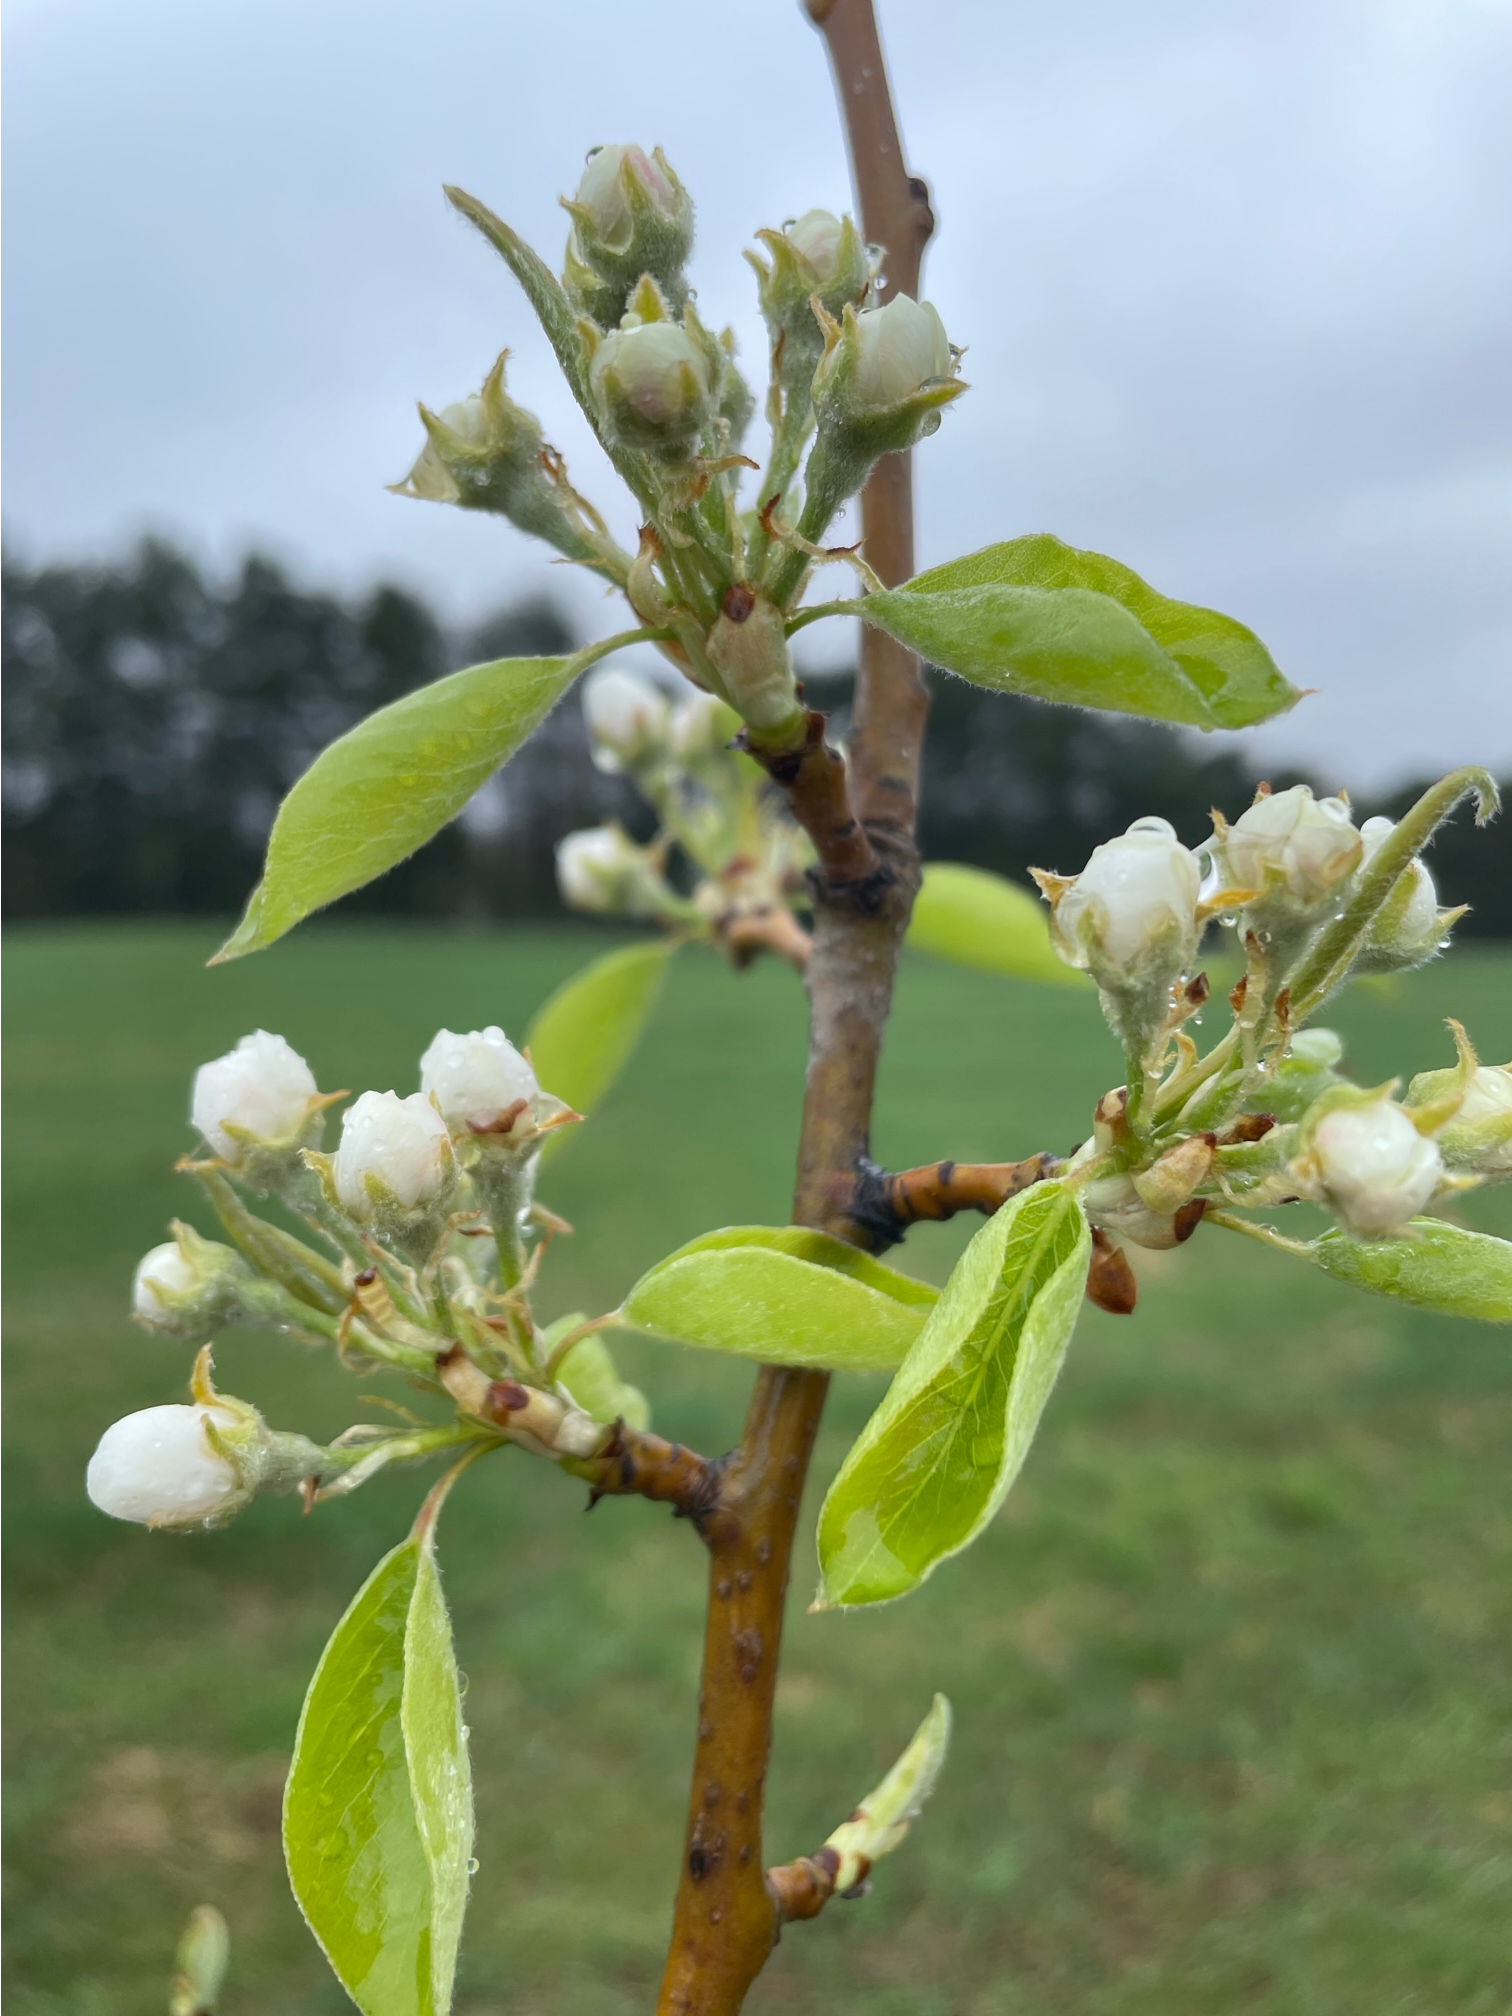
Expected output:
(1235, 281)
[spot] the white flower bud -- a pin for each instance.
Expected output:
(1295, 851)
(821, 238)
(158, 1468)
(900, 349)
(1408, 928)
(601, 870)
(262, 1088)
(651, 385)
(1371, 1166)
(393, 1145)
(702, 727)
(475, 1079)
(607, 191)
(161, 1273)
(1133, 907)
(627, 718)
(1476, 1139)
(191, 1287)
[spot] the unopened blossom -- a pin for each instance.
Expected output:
(159, 1468)
(603, 871)
(401, 1147)
(627, 718)
(651, 384)
(1372, 1167)
(605, 204)
(900, 348)
(263, 1088)
(1290, 849)
(1133, 908)
(475, 1079)
(1407, 928)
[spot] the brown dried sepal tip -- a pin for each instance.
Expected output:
(1195, 993)
(1110, 1279)
(738, 602)
(1238, 992)
(501, 1123)
(1188, 1218)
(1247, 1127)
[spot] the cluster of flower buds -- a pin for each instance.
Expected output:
(715, 805)
(401, 1212)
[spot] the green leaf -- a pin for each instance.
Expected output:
(592, 1378)
(542, 289)
(935, 1461)
(378, 1809)
(1036, 616)
(582, 1037)
(783, 1295)
(392, 782)
(977, 919)
(1434, 1266)
(805, 1244)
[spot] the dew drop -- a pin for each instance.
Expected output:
(592, 151)
(472, 1865)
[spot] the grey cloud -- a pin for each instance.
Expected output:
(1236, 285)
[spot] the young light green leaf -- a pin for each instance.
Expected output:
(760, 1299)
(1036, 616)
(592, 1378)
(582, 1037)
(974, 918)
(542, 289)
(1432, 1266)
(882, 1820)
(378, 1807)
(803, 1243)
(935, 1461)
(435, 1743)
(392, 782)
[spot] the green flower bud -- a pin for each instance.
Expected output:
(485, 453)
(651, 384)
(881, 384)
(630, 216)
(814, 257)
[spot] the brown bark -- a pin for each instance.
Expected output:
(728, 1914)
(884, 1203)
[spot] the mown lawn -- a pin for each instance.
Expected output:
(1231, 1673)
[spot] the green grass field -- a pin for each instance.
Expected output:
(1231, 1672)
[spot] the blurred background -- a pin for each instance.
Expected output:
(1236, 291)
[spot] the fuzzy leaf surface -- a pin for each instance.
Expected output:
(974, 918)
(390, 784)
(1036, 616)
(378, 1809)
(936, 1460)
(744, 1292)
(1435, 1266)
(582, 1036)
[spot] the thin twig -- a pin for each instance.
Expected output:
(884, 1203)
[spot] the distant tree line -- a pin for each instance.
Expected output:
(153, 719)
